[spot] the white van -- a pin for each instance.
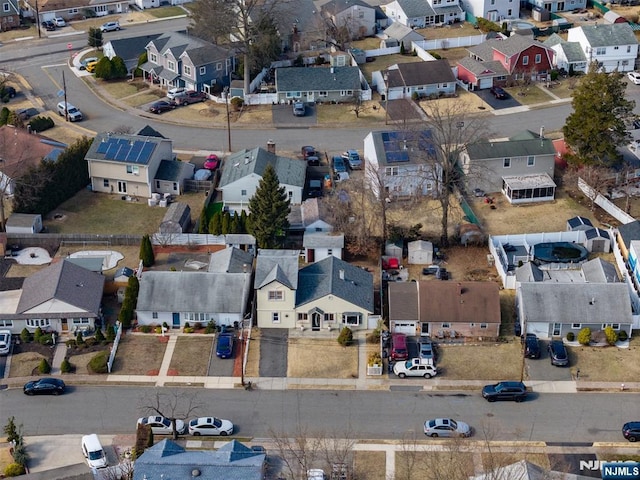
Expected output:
(74, 114)
(93, 452)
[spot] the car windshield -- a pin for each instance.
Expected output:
(166, 422)
(432, 423)
(217, 422)
(453, 424)
(97, 455)
(408, 364)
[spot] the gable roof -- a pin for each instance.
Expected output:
(458, 302)
(231, 260)
(332, 276)
(489, 68)
(606, 35)
(395, 147)
(334, 7)
(176, 43)
(173, 170)
(572, 50)
(124, 271)
(579, 221)
(64, 282)
(525, 470)
(129, 48)
(322, 240)
(148, 131)
(400, 31)
(206, 54)
(596, 233)
(123, 148)
(420, 73)
(277, 265)
(247, 162)
(403, 301)
(22, 150)
(510, 148)
(509, 46)
(629, 231)
(415, 8)
(317, 78)
(599, 271)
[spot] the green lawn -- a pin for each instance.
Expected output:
(166, 12)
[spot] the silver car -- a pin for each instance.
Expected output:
(162, 425)
(446, 427)
(210, 426)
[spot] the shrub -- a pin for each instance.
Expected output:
(79, 339)
(38, 334)
(374, 359)
(415, 97)
(90, 342)
(346, 337)
(71, 343)
(188, 330)
(623, 336)
(373, 337)
(144, 439)
(11, 430)
(98, 364)
(187, 325)
(197, 326)
(99, 335)
(611, 335)
(584, 336)
(46, 339)
(40, 124)
(65, 366)
(145, 328)
(111, 333)
(571, 337)
(25, 335)
(14, 470)
(20, 455)
(211, 327)
(44, 367)
(165, 325)
(236, 103)
(158, 329)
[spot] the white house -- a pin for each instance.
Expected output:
(424, 13)
(425, 79)
(494, 10)
(613, 46)
(569, 55)
(320, 245)
(358, 17)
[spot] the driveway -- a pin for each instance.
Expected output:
(495, 103)
(541, 368)
(282, 116)
(401, 110)
(273, 352)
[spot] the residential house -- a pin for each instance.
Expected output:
(593, 271)
(179, 60)
(401, 35)
(543, 309)
(320, 84)
(20, 151)
(62, 297)
(233, 460)
(24, 223)
(569, 56)
(220, 294)
(424, 13)
(525, 470)
(401, 163)
(128, 49)
(301, 28)
(445, 309)
(320, 245)
(9, 15)
(356, 16)
(276, 283)
(493, 10)
(520, 56)
(243, 171)
(75, 9)
(312, 215)
(520, 167)
(424, 79)
(554, 6)
(626, 234)
(613, 46)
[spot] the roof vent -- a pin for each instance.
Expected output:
(195, 472)
(592, 301)
(341, 273)
(246, 160)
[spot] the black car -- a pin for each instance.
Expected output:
(558, 354)
(7, 91)
(631, 431)
(531, 346)
(505, 391)
(44, 386)
(48, 25)
(162, 106)
(498, 92)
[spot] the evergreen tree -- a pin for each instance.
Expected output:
(133, 287)
(203, 224)
(215, 225)
(269, 208)
(226, 223)
(104, 69)
(243, 222)
(118, 68)
(95, 37)
(235, 224)
(146, 251)
(596, 127)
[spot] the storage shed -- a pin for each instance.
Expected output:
(579, 223)
(420, 252)
(393, 250)
(177, 219)
(613, 17)
(24, 223)
(598, 240)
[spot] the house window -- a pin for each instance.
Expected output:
(294, 94)
(275, 317)
(615, 326)
(446, 325)
(483, 325)
(38, 322)
(195, 317)
(219, 66)
(628, 48)
(351, 319)
(154, 315)
(509, 12)
(243, 193)
(153, 58)
(290, 194)
(171, 66)
(5, 7)
(576, 326)
(6, 323)
(328, 317)
(187, 70)
(322, 93)
(506, 163)
(525, 60)
(276, 295)
(105, 183)
(346, 93)
(601, 50)
(538, 58)
(556, 329)
(80, 321)
(175, 186)
(391, 171)
(616, 47)
(203, 70)
(157, 184)
(329, 251)
(71, 11)
(531, 161)
(133, 169)
(303, 317)
(361, 14)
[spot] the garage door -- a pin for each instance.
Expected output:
(485, 83)
(408, 328)
(541, 329)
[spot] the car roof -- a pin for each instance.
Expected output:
(634, 425)
(512, 384)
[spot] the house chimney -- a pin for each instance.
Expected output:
(542, 131)
(333, 70)
(341, 274)
(271, 146)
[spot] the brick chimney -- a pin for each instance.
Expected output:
(271, 146)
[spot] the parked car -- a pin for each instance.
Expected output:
(558, 353)
(212, 162)
(162, 425)
(446, 427)
(338, 165)
(93, 451)
(505, 391)
(191, 96)
(91, 66)
(59, 21)
(478, 192)
(110, 26)
(44, 386)
(87, 61)
(427, 350)
(299, 109)
(399, 349)
(353, 159)
(210, 426)
(7, 91)
(71, 112)
(498, 92)
(531, 346)
(308, 151)
(430, 270)
(634, 77)
(631, 431)
(48, 25)
(316, 474)
(315, 188)
(177, 92)
(5, 342)
(414, 368)
(224, 345)
(313, 160)
(162, 106)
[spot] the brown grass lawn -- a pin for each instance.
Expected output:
(454, 360)
(425, 212)
(321, 358)
(382, 63)
(530, 96)
(23, 364)
(607, 364)
(370, 465)
(419, 464)
(139, 355)
(328, 114)
(253, 356)
(80, 362)
(191, 356)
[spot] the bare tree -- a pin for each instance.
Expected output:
(171, 404)
(298, 453)
(598, 180)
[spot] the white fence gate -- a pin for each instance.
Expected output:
(114, 348)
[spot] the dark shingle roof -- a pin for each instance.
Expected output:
(207, 54)
(336, 6)
(416, 8)
(172, 170)
(483, 69)
(148, 131)
(277, 265)
(403, 301)
(127, 48)
(629, 232)
(511, 148)
(317, 78)
(608, 35)
(250, 162)
(420, 73)
(578, 222)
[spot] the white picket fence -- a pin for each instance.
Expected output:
(608, 206)
(454, 42)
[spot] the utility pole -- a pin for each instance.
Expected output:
(226, 102)
(64, 89)
(38, 20)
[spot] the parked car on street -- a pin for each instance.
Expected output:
(308, 151)
(505, 391)
(634, 77)
(531, 346)
(87, 61)
(631, 431)
(558, 353)
(224, 345)
(446, 427)
(162, 425)
(191, 96)
(299, 109)
(110, 26)
(210, 426)
(44, 386)
(415, 368)
(5, 342)
(338, 165)
(353, 159)
(498, 92)
(162, 106)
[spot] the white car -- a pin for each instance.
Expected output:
(210, 426)
(415, 368)
(59, 21)
(634, 77)
(446, 427)
(5, 342)
(110, 27)
(176, 92)
(315, 474)
(162, 425)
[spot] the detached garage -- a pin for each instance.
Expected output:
(420, 252)
(403, 308)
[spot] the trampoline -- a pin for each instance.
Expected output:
(560, 252)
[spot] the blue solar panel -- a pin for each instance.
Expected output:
(397, 144)
(126, 150)
(102, 148)
(145, 155)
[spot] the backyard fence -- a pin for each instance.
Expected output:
(114, 348)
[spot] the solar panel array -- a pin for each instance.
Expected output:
(397, 145)
(125, 150)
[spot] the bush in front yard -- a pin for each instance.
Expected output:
(99, 336)
(25, 336)
(584, 336)
(14, 470)
(612, 336)
(44, 367)
(98, 364)
(145, 328)
(65, 366)
(374, 359)
(211, 327)
(622, 336)
(346, 337)
(571, 337)
(111, 333)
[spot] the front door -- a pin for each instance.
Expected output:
(315, 321)
(424, 329)
(122, 186)
(176, 320)
(64, 325)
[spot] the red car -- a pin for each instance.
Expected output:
(192, 96)
(212, 162)
(162, 106)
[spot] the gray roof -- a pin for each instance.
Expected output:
(609, 35)
(573, 51)
(173, 170)
(629, 232)
(65, 282)
(420, 73)
(230, 260)
(336, 6)
(420, 245)
(396, 147)
(322, 278)
(509, 46)
(22, 219)
(554, 39)
(599, 271)
(399, 31)
(93, 264)
(597, 233)
(254, 162)
(529, 272)
(489, 68)
(192, 292)
(510, 148)
(277, 265)
(123, 148)
(403, 301)
(239, 239)
(330, 79)
(207, 54)
(232, 461)
(176, 43)
(129, 48)
(148, 131)
(525, 470)
(416, 8)
(591, 303)
(322, 240)
(579, 221)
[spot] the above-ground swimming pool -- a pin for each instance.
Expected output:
(559, 252)
(520, 25)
